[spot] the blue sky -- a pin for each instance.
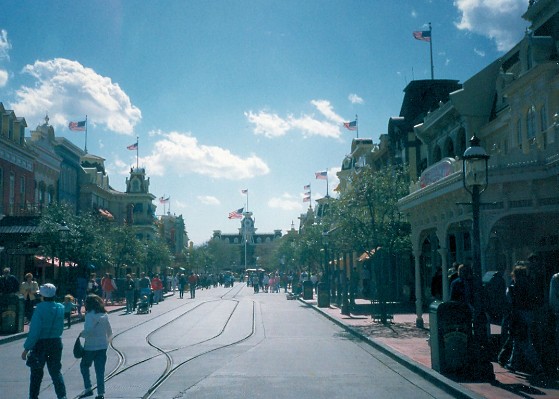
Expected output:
(232, 95)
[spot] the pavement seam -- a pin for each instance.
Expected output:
(432, 376)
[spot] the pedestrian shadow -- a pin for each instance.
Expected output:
(392, 330)
(521, 390)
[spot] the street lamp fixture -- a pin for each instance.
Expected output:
(475, 180)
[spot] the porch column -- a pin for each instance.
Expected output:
(418, 289)
(443, 252)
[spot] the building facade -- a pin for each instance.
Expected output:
(512, 105)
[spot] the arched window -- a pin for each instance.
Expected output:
(449, 148)
(531, 123)
(437, 154)
(543, 118)
(461, 142)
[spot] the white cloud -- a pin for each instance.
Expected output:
(326, 109)
(268, 124)
(3, 77)
(183, 153)
(286, 203)
(499, 20)
(5, 45)
(272, 125)
(208, 200)
(479, 52)
(68, 91)
(355, 99)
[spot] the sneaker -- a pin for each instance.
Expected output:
(100, 397)
(86, 393)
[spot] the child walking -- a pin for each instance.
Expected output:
(69, 306)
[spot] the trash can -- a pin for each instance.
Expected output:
(450, 325)
(11, 313)
(308, 287)
(323, 295)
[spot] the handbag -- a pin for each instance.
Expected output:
(33, 361)
(78, 349)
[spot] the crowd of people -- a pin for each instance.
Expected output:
(527, 310)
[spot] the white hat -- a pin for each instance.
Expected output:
(48, 290)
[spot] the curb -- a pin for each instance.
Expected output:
(430, 375)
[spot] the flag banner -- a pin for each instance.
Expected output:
(77, 126)
(308, 193)
(164, 200)
(307, 187)
(133, 146)
(306, 199)
(351, 125)
(321, 175)
(238, 214)
(424, 35)
(244, 191)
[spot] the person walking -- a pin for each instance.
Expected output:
(44, 343)
(192, 281)
(108, 285)
(81, 292)
(29, 289)
(97, 332)
(8, 282)
(181, 283)
(157, 288)
(69, 307)
(129, 287)
(521, 295)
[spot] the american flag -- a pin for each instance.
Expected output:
(133, 146)
(424, 35)
(77, 126)
(164, 200)
(351, 125)
(245, 191)
(238, 214)
(321, 175)
(307, 187)
(307, 199)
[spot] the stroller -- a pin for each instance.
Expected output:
(143, 305)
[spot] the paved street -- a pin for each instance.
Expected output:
(230, 343)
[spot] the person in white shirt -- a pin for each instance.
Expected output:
(97, 332)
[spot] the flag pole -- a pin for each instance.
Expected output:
(357, 125)
(327, 183)
(431, 51)
(137, 150)
(85, 146)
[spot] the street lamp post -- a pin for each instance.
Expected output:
(326, 265)
(475, 180)
(63, 232)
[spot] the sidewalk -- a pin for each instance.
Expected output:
(409, 345)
